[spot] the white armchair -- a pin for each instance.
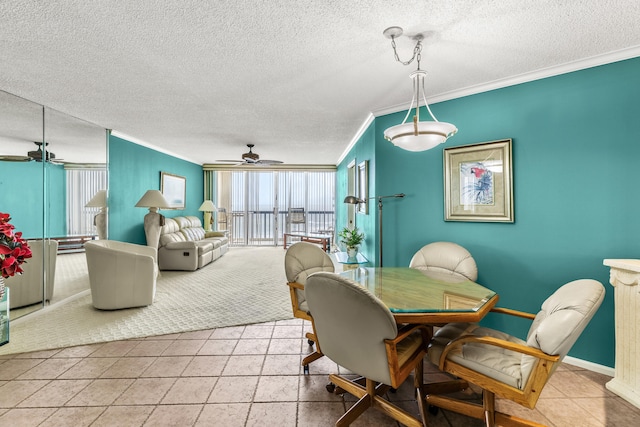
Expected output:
(27, 288)
(121, 275)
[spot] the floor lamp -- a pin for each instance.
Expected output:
(354, 201)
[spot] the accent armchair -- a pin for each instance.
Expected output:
(121, 275)
(447, 258)
(507, 366)
(301, 260)
(358, 332)
(27, 288)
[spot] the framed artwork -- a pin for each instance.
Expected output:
(363, 187)
(173, 188)
(478, 184)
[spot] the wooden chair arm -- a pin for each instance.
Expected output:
(513, 312)
(296, 285)
(519, 348)
(407, 330)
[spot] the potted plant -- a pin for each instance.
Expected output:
(351, 238)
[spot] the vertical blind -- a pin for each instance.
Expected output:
(82, 185)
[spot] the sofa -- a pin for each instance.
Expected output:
(121, 274)
(184, 245)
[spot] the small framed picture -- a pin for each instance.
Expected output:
(478, 184)
(173, 188)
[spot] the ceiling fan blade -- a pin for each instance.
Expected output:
(9, 158)
(269, 162)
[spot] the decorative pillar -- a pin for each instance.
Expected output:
(625, 278)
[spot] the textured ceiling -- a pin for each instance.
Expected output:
(200, 79)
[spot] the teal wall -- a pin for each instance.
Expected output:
(575, 144)
(134, 169)
(21, 185)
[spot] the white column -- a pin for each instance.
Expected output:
(625, 278)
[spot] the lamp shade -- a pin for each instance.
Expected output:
(99, 200)
(352, 200)
(153, 199)
(426, 136)
(207, 206)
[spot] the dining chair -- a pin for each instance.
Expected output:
(446, 257)
(509, 367)
(300, 261)
(358, 332)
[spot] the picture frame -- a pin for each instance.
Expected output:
(173, 188)
(363, 187)
(478, 182)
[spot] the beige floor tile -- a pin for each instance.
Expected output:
(115, 349)
(190, 390)
(234, 390)
(100, 392)
(196, 335)
(17, 367)
(286, 331)
(512, 408)
(123, 416)
(25, 417)
(78, 351)
(319, 414)
(218, 347)
(282, 364)
(44, 354)
(252, 346)
(49, 369)
(285, 346)
(202, 366)
(171, 366)
(14, 392)
(224, 414)
(128, 367)
(149, 348)
(184, 348)
(76, 417)
(566, 412)
(277, 389)
(290, 322)
(610, 411)
(324, 365)
(88, 368)
(281, 414)
(243, 365)
(227, 333)
(573, 385)
(174, 415)
(146, 391)
(257, 331)
(56, 393)
(313, 388)
(165, 337)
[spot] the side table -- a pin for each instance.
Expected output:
(349, 263)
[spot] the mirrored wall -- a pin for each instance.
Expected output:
(51, 167)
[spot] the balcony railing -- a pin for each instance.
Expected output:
(260, 228)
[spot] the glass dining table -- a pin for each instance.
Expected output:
(426, 297)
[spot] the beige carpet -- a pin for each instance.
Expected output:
(246, 285)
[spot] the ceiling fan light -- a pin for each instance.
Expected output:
(429, 135)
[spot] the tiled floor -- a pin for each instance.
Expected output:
(238, 376)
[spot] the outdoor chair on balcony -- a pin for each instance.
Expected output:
(296, 220)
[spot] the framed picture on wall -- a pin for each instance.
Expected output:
(173, 188)
(478, 184)
(363, 187)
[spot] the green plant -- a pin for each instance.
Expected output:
(351, 237)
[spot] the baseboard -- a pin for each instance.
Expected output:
(601, 369)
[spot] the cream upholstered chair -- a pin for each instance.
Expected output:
(358, 332)
(301, 260)
(446, 257)
(121, 275)
(27, 288)
(507, 366)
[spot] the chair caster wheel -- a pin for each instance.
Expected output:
(305, 369)
(310, 342)
(433, 410)
(331, 387)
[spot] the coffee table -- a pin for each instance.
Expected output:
(322, 239)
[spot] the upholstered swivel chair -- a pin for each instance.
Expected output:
(27, 288)
(358, 332)
(506, 366)
(121, 275)
(447, 258)
(301, 260)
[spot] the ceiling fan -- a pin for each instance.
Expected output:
(36, 155)
(250, 158)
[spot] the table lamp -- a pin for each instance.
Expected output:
(99, 200)
(154, 200)
(207, 207)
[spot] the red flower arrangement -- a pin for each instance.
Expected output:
(13, 248)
